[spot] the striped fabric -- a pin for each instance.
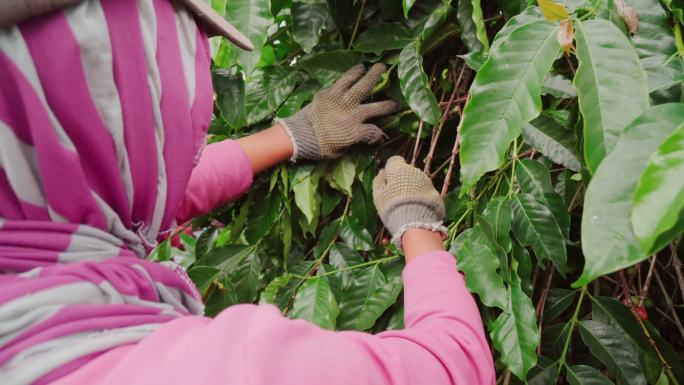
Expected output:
(103, 110)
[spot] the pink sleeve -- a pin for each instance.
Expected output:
(223, 173)
(443, 343)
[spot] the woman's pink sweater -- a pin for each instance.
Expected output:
(443, 342)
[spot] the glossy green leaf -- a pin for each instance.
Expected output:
(247, 278)
(383, 37)
(308, 19)
(553, 140)
(611, 86)
(327, 66)
(316, 303)
(498, 213)
(545, 376)
(615, 351)
(203, 276)
(558, 86)
(297, 99)
(479, 263)
(305, 188)
(252, 18)
(358, 295)
(502, 101)
(342, 175)
(227, 258)
(473, 32)
(354, 235)
(553, 339)
(266, 94)
(268, 296)
(515, 334)
(342, 257)
(406, 6)
(655, 44)
(230, 97)
(557, 302)
(611, 311)
(677, 9)
(534, 225)
(535, 179)
(659, 195)
(378, 302)
(586, 375)
(414, 84)
(262, 216)
(608, 241)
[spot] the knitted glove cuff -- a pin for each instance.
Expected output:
(405, 215)
(303, 138)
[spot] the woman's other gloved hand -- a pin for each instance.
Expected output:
(336, 118)
(405, 199)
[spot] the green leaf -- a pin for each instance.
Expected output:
(557, 302)
(677, 9)
(305, 186)
(474, 34)
(203, 276)
(545, 376)
(342, 175)
(378, 302)
(204, 243)
(558, 86)
(535, 179)
(252, 18)
(316, 303)
(659, 195)
(479, 263)
(406, 6)
(608, 241)
(611, 311)
(308, 19)
(327, 66)
(414, 84)
(262, 216)
(247, 278)
(297, 98)
(553, 339)
(383, 37)
(502, 101)
(655, 44)
(342, 257)
(267, 90)
(498, 213)
(586, 375)
(268, 295)
(525, 265)
(226, 258)
(611, 86)
(534, 225)
(613, 348)
(230, 97)
(359, 296)
(553, 140)
(354, 235)
(515, 334)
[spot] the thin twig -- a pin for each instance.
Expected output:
(356, 24)
(678, 268)
(542, 299)
(647, 282)
(670, 305)
(415, 147)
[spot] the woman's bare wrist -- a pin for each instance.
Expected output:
(417, 241)
(267, 148)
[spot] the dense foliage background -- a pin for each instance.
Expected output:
(555, 132)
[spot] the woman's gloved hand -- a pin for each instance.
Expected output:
(335, 119)
(405, 199)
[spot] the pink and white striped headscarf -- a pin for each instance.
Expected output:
(103, 109)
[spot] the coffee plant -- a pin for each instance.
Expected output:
(555, 132)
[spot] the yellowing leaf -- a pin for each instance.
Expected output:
(565, 35)
(552, 10)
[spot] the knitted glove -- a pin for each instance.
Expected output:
(335, 119)
(405, 198)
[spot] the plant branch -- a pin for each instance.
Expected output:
(670, 305)
(647, 282)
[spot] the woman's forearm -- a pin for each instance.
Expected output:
(267, 148)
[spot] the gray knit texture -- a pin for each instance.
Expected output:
(302, 135)
(412, 213)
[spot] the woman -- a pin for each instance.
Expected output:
(104, 106)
